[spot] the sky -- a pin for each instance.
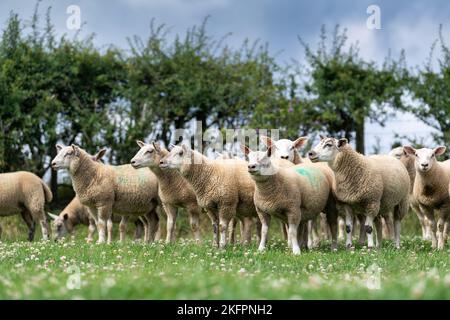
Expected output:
(409, 25)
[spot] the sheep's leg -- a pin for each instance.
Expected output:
(215, 224)
(91, 230)
(104, 214)
(284, 231)
(138, 228)
(303, 234)
(194, 219)
(226, 213)
(123, 228)
(421, 218)
(441, 228)
(446, 232)
(315, 233)
(159, 215)
(258, 226)
(153, 224)
(247, 236)
(265, 223)
(1, 230)
(171, 221)
(348, 226)
(293, 234)
(333, 226)
(144, 221)
(26, 216)
(341, 228)
(379, 228)
(109, 228)
(362, 230)
(44, 225)
(388, 227)
(372, 211)
(429, 214)
(232, 230)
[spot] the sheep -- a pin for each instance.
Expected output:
(373, 186)
(76, 213)
(287, 149)
(25, 193)
(293, 194)
(223, 187)
(105, 189)
(408, 161)
(173, 190)
(431, 189)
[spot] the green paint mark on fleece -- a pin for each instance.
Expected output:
(313, 175)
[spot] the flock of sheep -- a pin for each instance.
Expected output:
(322, 196)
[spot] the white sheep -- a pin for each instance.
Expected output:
(25, 193)
(372, 186)
(293, 194)
(173, 190)
(287, 149)
(105, 189)
(223, 187)
(431, 189)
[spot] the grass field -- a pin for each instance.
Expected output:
(49, 270)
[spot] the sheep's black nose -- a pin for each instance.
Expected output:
(311, 154)
(252, 166)
(285, 157)
(133, 161)
(161, 162)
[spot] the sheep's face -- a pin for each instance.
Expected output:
(326, 150)
(146, 156)
(285, 148)
(65, 157)
(259, 162)
(61, 226)
(424, 158)
(176, 157)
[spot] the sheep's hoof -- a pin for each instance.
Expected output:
(350, 247)
(261, 249)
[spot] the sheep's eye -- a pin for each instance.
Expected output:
(291, 148)
(328, 145)
(181, 153)
(149, 151)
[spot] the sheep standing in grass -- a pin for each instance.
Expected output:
(25, 193)
(173, 190)
(293, 194)
(373, 186)
(223, 187)
(431, 189)
(76, 213)
(105, 189)
(408, 161)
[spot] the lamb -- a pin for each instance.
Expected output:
(293, 194)
(25, 193)
(223, 187)
(74, 214)
(408, 161)
(431, 189)
(106, 189)
(173, 190)
(373, 186)
(287, 149)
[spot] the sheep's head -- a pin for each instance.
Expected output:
(398, 153)
(285, 148)
(424, 158)
(147, 156)
(259, 162)
(177, 156)
(65, 157)
(327, 149)
(61, 225)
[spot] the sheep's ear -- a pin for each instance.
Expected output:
(300, 142)
(65, 216)
(409, 150)
(171, 145)
(342, 142)
(156, 146)
(245, 150)
(99, 155)
(439, 150)
(140, 143)
(76, 150)
(266, 140)
(59, 147)
(321, 137)
(52, 216)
